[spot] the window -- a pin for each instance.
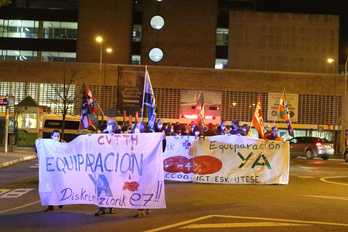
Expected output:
(18, 55)
(156, 54)
(157, 22)
(28, 121)
(58, 56)
(19, 28)
(59, 30)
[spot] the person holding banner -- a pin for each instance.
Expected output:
(111, 128)
(55, 135)
(274, 135)
(235, 130)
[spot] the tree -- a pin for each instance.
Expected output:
(64, 97)
(5, 2)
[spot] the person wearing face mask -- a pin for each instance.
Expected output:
(159, 126)
(111, 128)
(55, 135)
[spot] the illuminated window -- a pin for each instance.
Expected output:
(59, 30)
(157, 22)
(28, 120)
(156, 54)
(19, 28)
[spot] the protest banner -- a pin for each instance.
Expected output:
(236, 159)
(118, 171)
(177, 161)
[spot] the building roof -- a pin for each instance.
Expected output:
(28, 101)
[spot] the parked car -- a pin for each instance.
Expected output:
(345, 154)
(311, 147)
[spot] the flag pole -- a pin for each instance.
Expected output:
(142, 107)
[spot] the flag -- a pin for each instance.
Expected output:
(149, 100)
(258, 120)
(283, 113)
(199, 112)
(88, 110)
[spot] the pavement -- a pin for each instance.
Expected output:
(16, 155)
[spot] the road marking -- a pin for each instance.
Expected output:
(328, 197)
(304, 177)
(309, 168)
(250, 218)
(235, 225)
(2, 191)
(20, 207)
(324, 179)
(15, 193)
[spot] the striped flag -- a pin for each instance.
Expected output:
(284, 113)
(88, 110)
(149, 100)
(258, 120)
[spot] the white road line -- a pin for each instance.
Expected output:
(328, 197)
(235, 225)
(249, 218)
(304, 177)
(324, 179)
(20, 207)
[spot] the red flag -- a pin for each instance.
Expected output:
(88, 110)
(283, 113)
(258, 120)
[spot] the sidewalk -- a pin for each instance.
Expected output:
(18, 154)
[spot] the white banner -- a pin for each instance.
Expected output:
(119, 171)
(177, 162)
(236, 159)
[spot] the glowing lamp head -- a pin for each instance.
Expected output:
(330, 60)
(99, 39)
(109, 50)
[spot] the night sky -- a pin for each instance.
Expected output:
(332, 7)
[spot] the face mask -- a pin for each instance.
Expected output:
(223, 127)
(110, 128)
(196, 133)
(55, 137)
(136, 131)
(159, 126)
(171, 130)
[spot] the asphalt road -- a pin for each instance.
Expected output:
(314, 200)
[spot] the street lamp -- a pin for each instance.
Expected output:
(330, 60)
(100, 41)
(108, 50)
(345, 105)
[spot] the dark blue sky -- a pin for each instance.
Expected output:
(332, 7)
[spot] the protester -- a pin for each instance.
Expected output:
(274, 135)
(111, 128)
(55, 135)
(246, 129)
(235, 130)
(211, 130)
(268, 132)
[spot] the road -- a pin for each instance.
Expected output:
(314, 200)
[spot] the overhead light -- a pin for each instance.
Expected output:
(24, 57)
(26, 29)
(17, 53)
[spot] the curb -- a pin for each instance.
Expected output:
(18, 160)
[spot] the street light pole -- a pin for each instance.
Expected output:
(108, 50)
(330, 60)
(99, 40)
(345, 104)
